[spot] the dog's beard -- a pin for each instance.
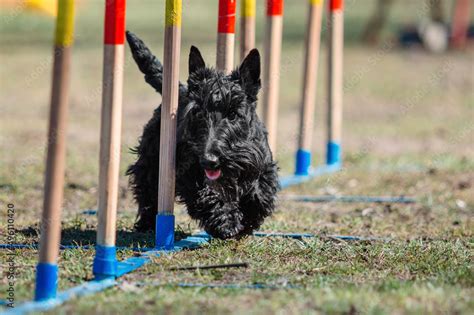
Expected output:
(214, 203)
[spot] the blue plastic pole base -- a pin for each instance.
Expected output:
(303, 162)
(333, 153)
(46, 281)
(105, 262)
(164, 232)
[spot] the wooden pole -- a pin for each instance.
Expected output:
(460, 24)
(271, 75)
(247, 27)
(47, 268)
(225, 36)
(335, 63)
(169, 108)
(313, 38)
(105, 262)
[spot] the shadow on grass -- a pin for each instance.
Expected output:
(82, 237)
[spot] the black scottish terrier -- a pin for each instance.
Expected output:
(225, 173)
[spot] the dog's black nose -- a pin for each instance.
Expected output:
(209, 161)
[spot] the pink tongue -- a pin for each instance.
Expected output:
(213, 174)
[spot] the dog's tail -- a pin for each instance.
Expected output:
(148, 64)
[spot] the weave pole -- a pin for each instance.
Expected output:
(335, 63)
(247, 27)
(166, 181)
(47, 267)
(105, 262)
(225, 36)
(271, 74)
(460, 23)
(313, 39)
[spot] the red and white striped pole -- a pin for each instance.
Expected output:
(225, 36)
(308, 99)
(460, 23)
(335, 88)
(105, 262)
(271, 74)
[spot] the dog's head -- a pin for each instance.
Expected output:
(219, 115)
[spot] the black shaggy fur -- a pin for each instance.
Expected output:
(218, 130)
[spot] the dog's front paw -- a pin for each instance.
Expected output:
(224, 234)
(225, 224)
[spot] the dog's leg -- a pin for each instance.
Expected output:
(219, 218)
(224, 221)
(144, 174)
(259, 200)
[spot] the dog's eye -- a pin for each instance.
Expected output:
(231, 115)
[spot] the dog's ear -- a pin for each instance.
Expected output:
(195, 60)
(250, 72)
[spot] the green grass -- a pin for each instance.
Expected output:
(407, 131)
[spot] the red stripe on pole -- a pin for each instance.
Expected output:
(335, 5)
(114, 32)
(226, 21)
(274, 7)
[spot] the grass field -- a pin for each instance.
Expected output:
(408, 130)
